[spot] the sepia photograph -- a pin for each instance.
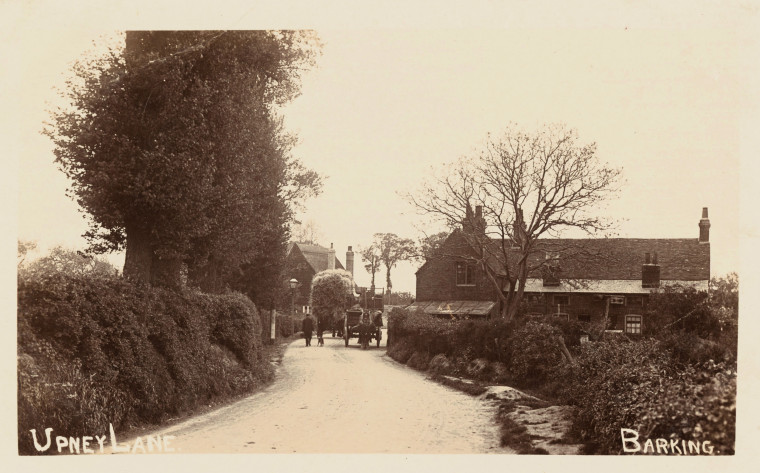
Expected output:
(436, 229)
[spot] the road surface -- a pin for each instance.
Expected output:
(337, 399)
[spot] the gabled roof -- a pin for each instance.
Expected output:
(315, 255)
(680, 259)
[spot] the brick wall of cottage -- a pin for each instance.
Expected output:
(586, 307)
(437, 281)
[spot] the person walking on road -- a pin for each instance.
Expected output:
(320, 329)
(307, 326)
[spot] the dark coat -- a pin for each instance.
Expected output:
(307, 326)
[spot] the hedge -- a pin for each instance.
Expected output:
(95, 350)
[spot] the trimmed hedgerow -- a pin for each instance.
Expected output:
(100, 350)
(634, 385)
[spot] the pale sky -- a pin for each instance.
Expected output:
(668, 102)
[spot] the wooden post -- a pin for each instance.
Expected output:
(273, 328)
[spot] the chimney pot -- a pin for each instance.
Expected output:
(350, 261)
(647, 259)
(331, 257)
(704, 227)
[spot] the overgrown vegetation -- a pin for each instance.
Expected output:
(676, 382)
(95, 350)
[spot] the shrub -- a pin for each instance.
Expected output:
(420, 360)
(97, 350)
(401, 350)
(439, 364)
(535, 352)
(634, 385)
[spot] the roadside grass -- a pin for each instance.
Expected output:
(473, 388)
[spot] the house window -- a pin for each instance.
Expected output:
(561, 300)
(465, 274)
(633, 324)
(617, 300)
(637, 301)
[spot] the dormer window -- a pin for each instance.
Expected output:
(465, 274)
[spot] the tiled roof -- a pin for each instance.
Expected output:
(605, 286)
(317, 256)
(453, 307)
(682, 259)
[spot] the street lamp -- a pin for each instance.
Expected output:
(293, 283)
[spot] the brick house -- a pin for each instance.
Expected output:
(303, 261)
(588, 278)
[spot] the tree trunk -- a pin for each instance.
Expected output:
(606, 316)
(565, 351)
(138, 261)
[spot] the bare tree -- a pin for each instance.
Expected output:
(24, 248)
(524, 186)
(306, 232)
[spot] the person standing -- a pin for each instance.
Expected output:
(307, 327)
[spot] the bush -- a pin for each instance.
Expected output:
(535, 352)
(420, 360)
(96, 350)
(439, 364)
(634, 385)
(401, 350)
(285, 324)
(469, 339)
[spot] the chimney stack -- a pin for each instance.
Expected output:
(331, 257)
(350, 261)
(704, 227)
(650, 271)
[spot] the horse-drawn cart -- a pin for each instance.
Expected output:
(364, 321)
(358, 324)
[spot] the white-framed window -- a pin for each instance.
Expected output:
(633, 324)
(465, 274)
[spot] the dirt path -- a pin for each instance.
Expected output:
(334, 399)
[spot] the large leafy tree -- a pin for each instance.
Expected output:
(371, 257)
(524, 187)
(430, 246)
(176, 152)
(393, 249)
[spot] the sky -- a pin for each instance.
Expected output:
(389, 102)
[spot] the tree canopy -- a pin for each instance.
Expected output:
(175, 150)
(523, 186)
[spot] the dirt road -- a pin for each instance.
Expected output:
(334, 399)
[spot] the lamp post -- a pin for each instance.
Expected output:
(293, 283)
